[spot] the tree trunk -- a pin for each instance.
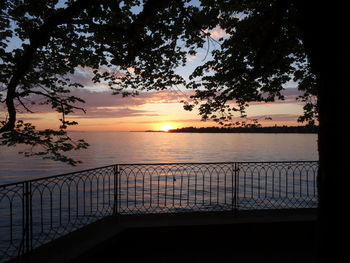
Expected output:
(325, 38)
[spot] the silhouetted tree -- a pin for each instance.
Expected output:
(44, 42)
(267, 44)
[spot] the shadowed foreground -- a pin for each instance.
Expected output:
(79, 209)
(259, 236)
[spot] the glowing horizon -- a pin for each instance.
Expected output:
(153, 111)
(165, 127)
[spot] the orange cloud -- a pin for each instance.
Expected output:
(149, 110)
(217, 32)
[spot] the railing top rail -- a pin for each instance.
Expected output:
(55, 176)
(145, 164)
(199, 163)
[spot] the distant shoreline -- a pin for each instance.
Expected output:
(273, 129)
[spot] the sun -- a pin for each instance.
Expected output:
(165, 127)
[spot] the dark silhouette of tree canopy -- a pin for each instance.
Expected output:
(262, 50)
(267, 44)
(54, 39)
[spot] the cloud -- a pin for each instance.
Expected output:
(105, 105)
(113, 113)
(291, 93)
(94, 99)
(85, 75)
(175, 121)
(217, 32)
(290, 96)
(191, 58)
(106, 99)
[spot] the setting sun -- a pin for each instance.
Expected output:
(166, 127)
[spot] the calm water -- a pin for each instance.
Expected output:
(147, 147)
(61, 205)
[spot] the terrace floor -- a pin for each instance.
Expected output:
(248, 236)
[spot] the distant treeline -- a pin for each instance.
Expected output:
(273, 129)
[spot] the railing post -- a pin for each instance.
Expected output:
(235, 189)
(27, 195)
(116, 186)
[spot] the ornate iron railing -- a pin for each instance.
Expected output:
(38, 211)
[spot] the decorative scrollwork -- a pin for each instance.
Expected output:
(38, 211)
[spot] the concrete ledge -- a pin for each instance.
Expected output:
(287, 241)
(74, 244)
(217, 218)
(127, 237)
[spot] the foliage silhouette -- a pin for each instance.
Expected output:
(44, 42)
(267, 44)
(130, 52)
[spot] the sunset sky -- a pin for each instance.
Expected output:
(153, 111)
(160, 110)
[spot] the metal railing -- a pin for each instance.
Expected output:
(38, 211)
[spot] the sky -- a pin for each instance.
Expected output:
(161, 110)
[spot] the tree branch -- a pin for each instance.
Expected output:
(55, 99)
(37, 39)
(23, 105)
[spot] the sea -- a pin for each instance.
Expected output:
(107, 148)
(43, 210)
